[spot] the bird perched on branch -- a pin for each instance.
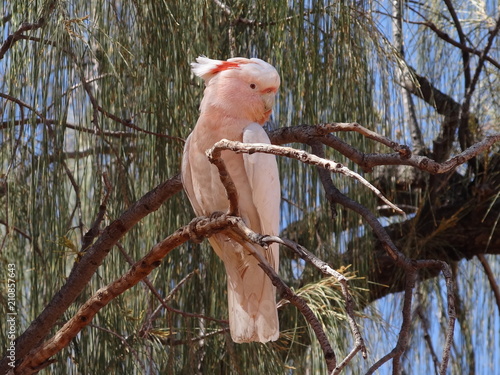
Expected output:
(237, 101)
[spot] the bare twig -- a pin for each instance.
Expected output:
(124, 342)
(402, 150)
(461, 37)
(12, 38)
(403, 73)
(198, 338)
(8, 228)
(464, 133)
(93, 232)
(491, 278)
(163, 301)
(450, 291)
(403, 337)
(427, 337)
(23, 104)
(446, 37)
(119, 134)
(306, 255)
(96, 131)
(171, 294)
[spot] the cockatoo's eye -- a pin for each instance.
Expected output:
(253, 86)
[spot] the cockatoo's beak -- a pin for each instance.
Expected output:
(268, 97)
(269, 101)
(268, 107)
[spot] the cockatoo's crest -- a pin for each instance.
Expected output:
(207, 68)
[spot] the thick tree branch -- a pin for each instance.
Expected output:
(88, 264)
(403, 156)
(103, 296)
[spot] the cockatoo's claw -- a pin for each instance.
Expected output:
(193, 232)
(216, 215)
(261, 240)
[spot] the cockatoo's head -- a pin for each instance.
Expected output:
(239, 87)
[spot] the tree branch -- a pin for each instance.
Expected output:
(464, 133)
(302, 156)
(307, 133)
(491, 278)
(461, 37)
(243, 234)
(103, 296)
(409, 266)
(304, 254)
(446, 37)
(13, 38)
(402, 70)
(96, 131)
(87, 266)
(84, 269)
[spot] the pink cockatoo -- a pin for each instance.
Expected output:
(237, 101)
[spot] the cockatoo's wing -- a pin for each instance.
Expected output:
(187, 178)
(262, 172)
(251, 296)
(252, 306)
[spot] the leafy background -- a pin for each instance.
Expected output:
(108, 97)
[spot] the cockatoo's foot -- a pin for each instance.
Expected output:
(193, 232)
(216, 215)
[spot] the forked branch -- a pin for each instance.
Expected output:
(303, 156)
